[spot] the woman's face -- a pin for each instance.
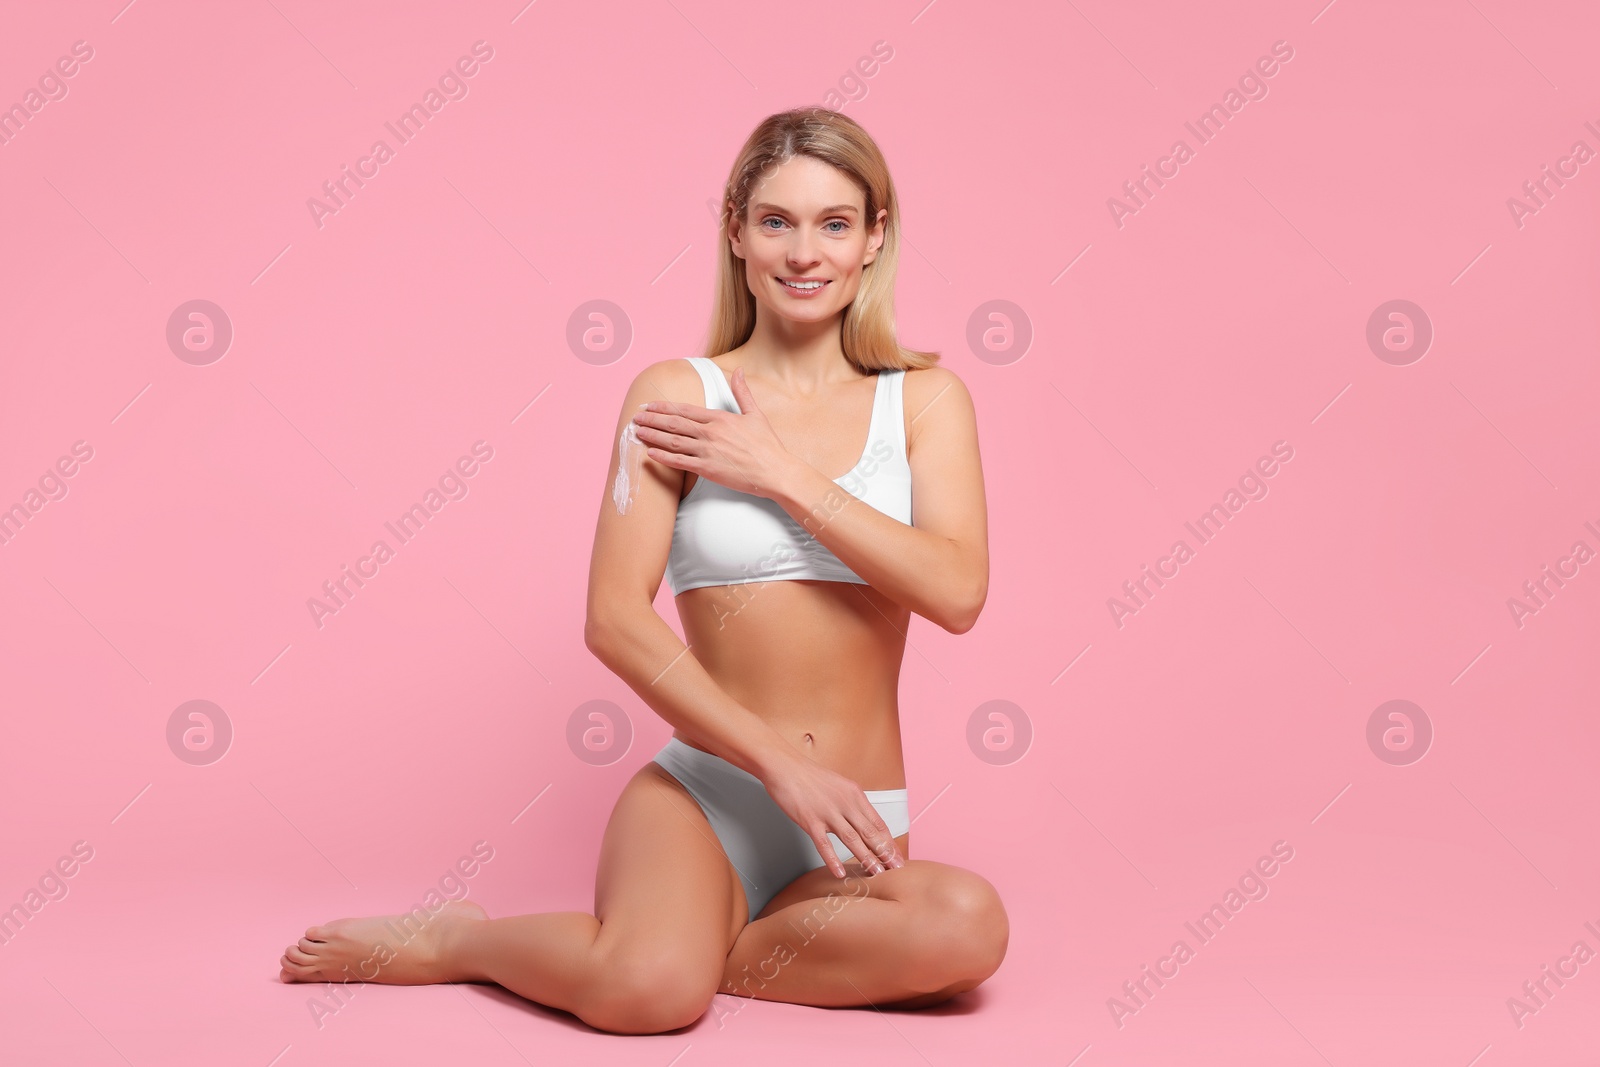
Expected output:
(805, 225)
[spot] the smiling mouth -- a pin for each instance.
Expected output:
(808, 287)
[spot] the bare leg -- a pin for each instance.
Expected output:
(667, 908)
(910, 937)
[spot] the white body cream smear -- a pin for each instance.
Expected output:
(630, 468)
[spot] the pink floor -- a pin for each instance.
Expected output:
(1371, 947)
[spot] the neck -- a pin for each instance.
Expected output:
(801, 357)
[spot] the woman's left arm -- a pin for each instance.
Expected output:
(938, 568)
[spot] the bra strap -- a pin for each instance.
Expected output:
(897, 411)
(717, 393)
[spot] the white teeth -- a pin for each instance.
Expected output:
(802, 285)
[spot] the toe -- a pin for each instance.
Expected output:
(467, 908)
(309, 946)
(295, 964)
(299, 958)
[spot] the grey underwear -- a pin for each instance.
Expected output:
(764, 845)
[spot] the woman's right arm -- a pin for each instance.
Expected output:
(624, 632)
(626, 566)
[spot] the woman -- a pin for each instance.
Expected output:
(764, 852)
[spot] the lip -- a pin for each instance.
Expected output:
(802, 294)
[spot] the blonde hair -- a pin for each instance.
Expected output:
(867, 333)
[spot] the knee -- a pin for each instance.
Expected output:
(968, 929)
(639, 991)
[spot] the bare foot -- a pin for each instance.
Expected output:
(392, 950)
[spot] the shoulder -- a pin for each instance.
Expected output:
(932, 380)
(941, 395)
(667, 379)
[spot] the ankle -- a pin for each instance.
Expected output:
(454, 955)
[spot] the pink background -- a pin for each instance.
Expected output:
(1167, 355)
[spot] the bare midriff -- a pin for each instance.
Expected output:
(817, 661)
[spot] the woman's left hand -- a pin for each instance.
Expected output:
(740, 451)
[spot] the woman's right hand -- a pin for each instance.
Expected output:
(820, 801)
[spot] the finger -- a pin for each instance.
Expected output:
(854, 841)
(879, 837)
(741, 391)
(889, 853)
(830, 858)
(679, 462)
(694, 412)
(675, 442)
(672, 423)
(682, 444)
(885, 848)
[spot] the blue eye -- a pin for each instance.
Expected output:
(841, 223)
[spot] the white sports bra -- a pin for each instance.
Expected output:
(724, 537)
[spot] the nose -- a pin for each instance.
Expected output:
(802, 251)
(802, 255)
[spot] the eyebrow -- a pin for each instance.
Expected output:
(830, 210)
